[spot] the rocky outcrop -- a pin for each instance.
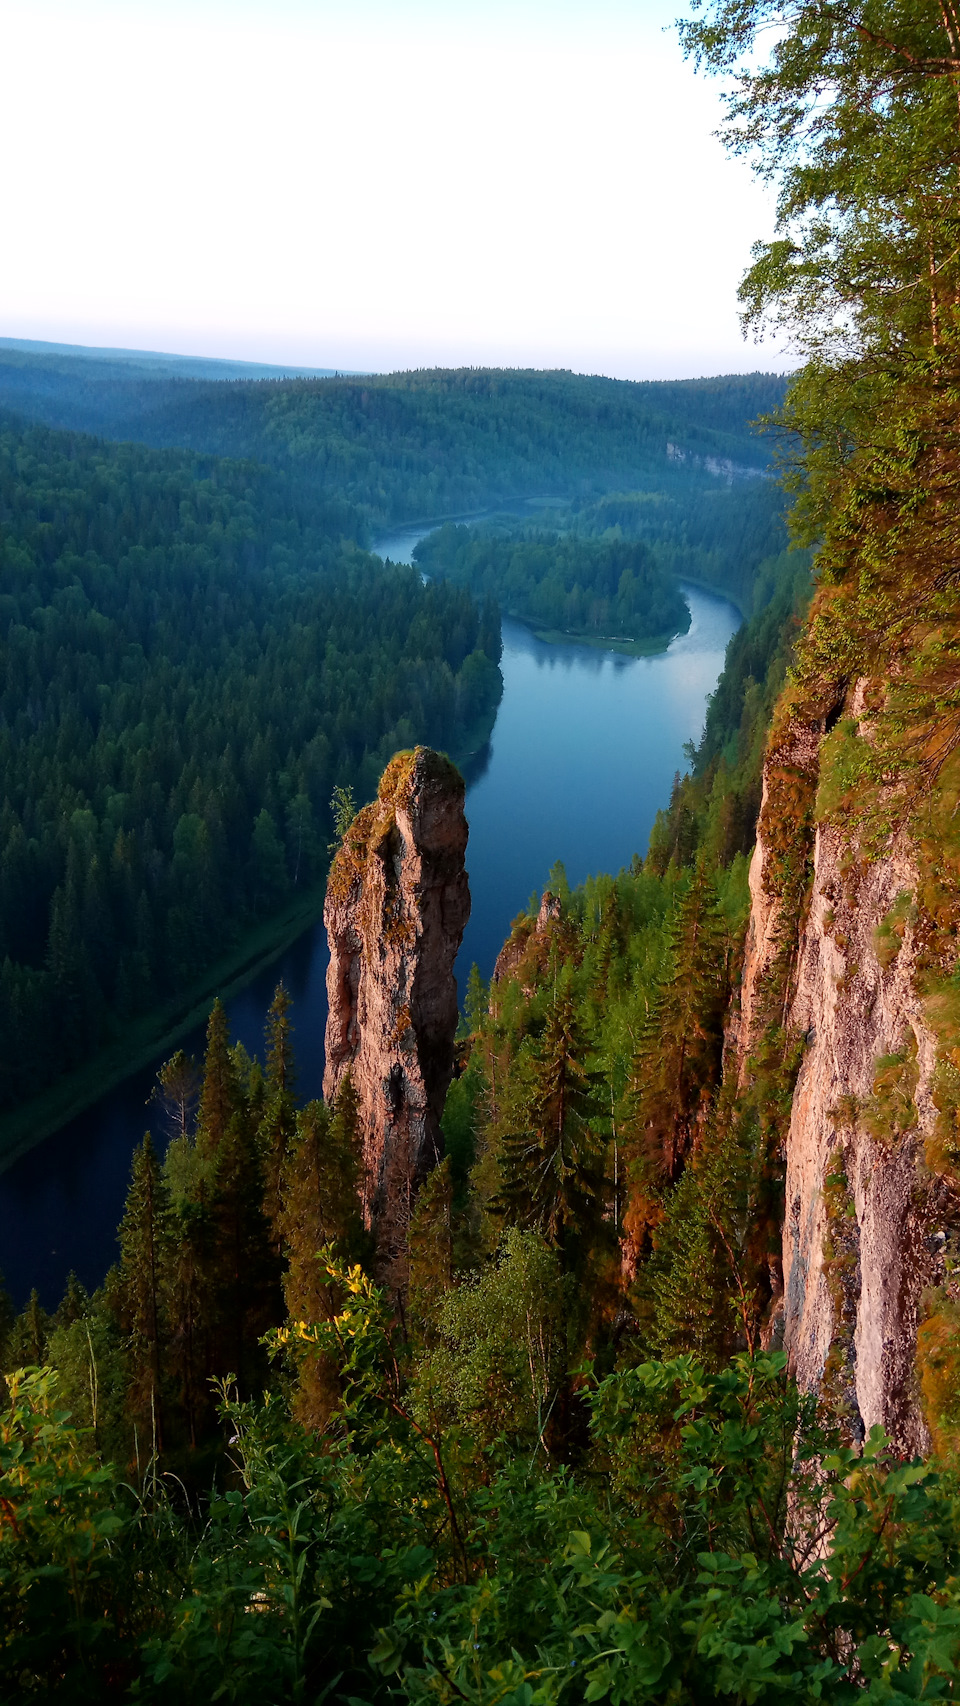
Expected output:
(396, 906)
(526, 949)
(859, 1240)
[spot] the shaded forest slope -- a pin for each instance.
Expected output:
(418, 445)
(191, 659)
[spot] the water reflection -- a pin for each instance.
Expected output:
(583, 754)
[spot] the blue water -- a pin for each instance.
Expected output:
(583, 754)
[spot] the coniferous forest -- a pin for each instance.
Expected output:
(605, 589)
(197, 651)
(416, 445)
(193, 659)
(566, 1449)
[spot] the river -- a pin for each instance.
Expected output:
(583, 754)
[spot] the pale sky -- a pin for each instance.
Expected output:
(372, 184)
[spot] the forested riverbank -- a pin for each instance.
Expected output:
(601, 1344)
(197, 652)
(193, 660)
(397, 447)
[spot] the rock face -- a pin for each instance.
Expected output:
(527, 947)
(396, 906)
(859, 1239)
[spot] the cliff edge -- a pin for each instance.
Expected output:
(836, 961)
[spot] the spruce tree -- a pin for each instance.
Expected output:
(218, 1098)
(145, 1247)
(74, 1304)
(430, 1250)
(676, 1065)
(7, 1318)
(321, 1207)
(27, 1338)
(246, 1291)
(278, 1122)
(551, 1163)
(193, 1306)
(691, 1311)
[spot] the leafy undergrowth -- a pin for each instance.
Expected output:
(712, 1542)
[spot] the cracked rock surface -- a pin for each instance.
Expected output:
(396, 906)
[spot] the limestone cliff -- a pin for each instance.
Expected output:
(834, 959)
(396, 906)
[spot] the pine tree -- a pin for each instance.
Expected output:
(178, 1091)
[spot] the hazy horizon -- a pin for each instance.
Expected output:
(375, 187)
(323, 371)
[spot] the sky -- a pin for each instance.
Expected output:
(373, 185)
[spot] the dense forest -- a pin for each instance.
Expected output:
(505, 1483)
(416, 445)
(601, 588)
(561, 1457)
(192, 660)
(706, 530)
(196, 652)
(541, 1472)
(609, 566)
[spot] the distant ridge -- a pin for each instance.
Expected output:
(170, 366)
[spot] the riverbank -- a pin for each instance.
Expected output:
(157, 1033)
(649, 648)
(582, 756)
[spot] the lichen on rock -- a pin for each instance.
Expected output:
(836, 953)
(396, 906)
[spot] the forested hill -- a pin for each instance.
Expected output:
(423, 444)
(62, 359)
(191, 658)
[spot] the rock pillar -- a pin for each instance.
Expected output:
(396, 906)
